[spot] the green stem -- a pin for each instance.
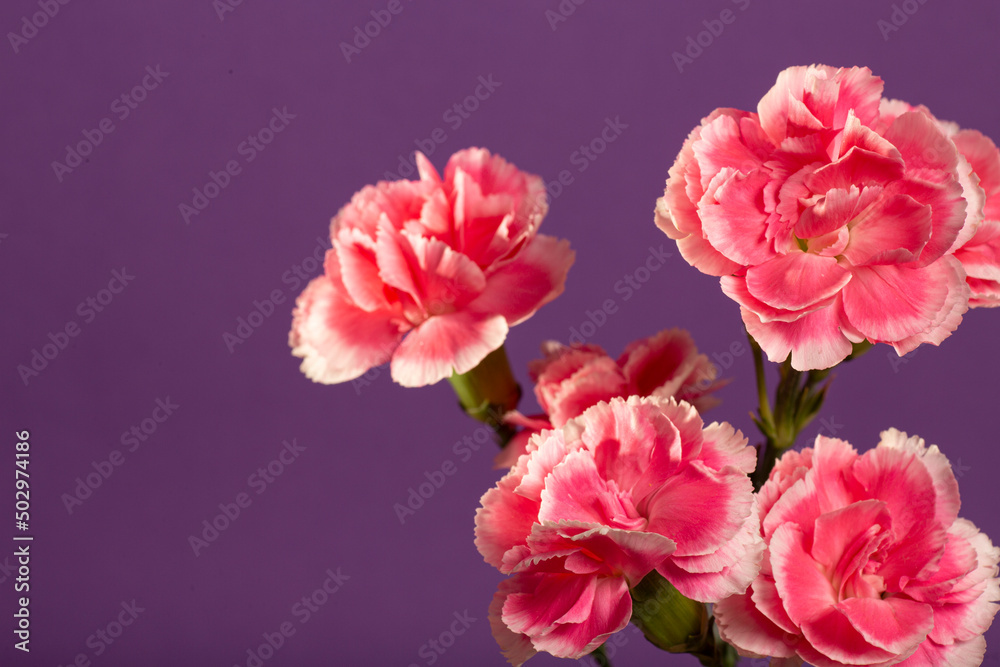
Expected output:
(764, 466)
(758, 365)
(488, 392)
(797, 400)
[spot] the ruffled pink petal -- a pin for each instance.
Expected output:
(980, 258)
(398, 201)
(699, 508)
(803, 587)
(922, 142)
(437, 277)
(856, 166)
(435, 219)
(446, 344)
(481, 220)
(892, 230)
(360, 275)
(504, 518)
(932, 159)
(676, 212)
(796, 280)
(959, 654)
(790, 468)
(575, 491)
(890, 303)
(987, 557)
(496, 206)
(612, 609)
(742, 625)
(545, 599)
(699, 253)
(985, 293)
(833, 465)
(721, 145)
(969, 608)
(733, 218)
(634, 442)
(515, 646)
(822, 488)
(893, 624)
(726, 446)
(857, 134)
(658, 361)
(782, 109)
(535, 277)
(735, 287)
(727, 571)
(633, 553)
(835, 210)
(845, 538)
(963, 621)
(984, 157)
(898, 477)
(975, 198)
(933, 461)
(830, 635)
(981, 254)
(815, 340)
(598, 379)
(950, 273)
(550, 448)
(859, 93)
(765, 596)
(336, 340)
(799, 505)
(568, 615)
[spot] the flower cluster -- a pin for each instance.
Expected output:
(429, 274)
(834, 216)
(629, 487)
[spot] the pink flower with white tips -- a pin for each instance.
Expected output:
(867, 562)
(628, 487)
(828, 225)
(430, 274)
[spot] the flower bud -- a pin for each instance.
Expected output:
(678, 624)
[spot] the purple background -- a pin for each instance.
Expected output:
(365, 446)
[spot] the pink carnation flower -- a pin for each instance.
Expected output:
(429, 274)
(867, 562)
(826, 224)
(570, 379)
(628, 487)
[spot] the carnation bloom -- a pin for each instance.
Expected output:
(867, 562)
(828, 223)
(629, 487)
(570, 379)
(429, 274)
